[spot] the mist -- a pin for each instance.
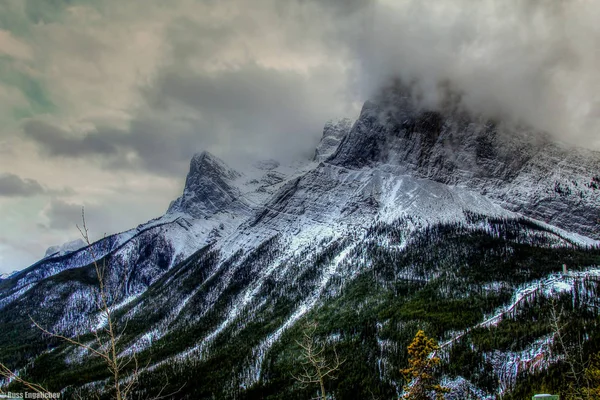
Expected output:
(524, 61)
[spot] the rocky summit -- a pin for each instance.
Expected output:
(405, 219)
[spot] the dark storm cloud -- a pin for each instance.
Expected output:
(250, 112)
(57, 142)
(162, 147)
(158, 144)
(529, 62)
(245, 84)
(63, 215)
(101, 218)
(159, 147)
(257, 106)
(135, 88)
(13, 186)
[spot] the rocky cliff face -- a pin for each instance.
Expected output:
(216, 200)
(520, 170)
(210, 207)
(209, 188)
(333, 133)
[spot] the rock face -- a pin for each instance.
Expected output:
(209, 188)
(216, 200)
(209, 207)
(333, 133)
(521, 170)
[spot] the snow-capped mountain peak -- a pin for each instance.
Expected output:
(209, 187)
(205, 163)
(520, 169)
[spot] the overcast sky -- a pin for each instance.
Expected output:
(103, 103)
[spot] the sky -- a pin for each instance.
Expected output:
(103, 103)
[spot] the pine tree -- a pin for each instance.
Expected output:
(422, 361)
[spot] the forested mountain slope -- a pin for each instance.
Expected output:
(406, 219)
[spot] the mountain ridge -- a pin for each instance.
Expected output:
(405, 199)
(489, 158)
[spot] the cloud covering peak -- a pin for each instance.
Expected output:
(530, 61)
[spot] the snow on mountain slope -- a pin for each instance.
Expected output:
(337, 198)
(328, 204)
(394, 161)
(216, 200)
(266, 247)
(522, 171)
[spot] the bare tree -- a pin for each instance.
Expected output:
(10, 376)
(105, 343)
(315, 367)
(106, 339)
(573, 355)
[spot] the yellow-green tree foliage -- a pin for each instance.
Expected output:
(592, 376)
(419, 376)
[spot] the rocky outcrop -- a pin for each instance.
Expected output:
(522, 170)
(333, 133)
(209, 188)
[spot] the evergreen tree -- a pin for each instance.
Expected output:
(422, 360)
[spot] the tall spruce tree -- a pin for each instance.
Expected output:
(421, 383)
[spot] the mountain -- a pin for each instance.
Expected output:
(65, 248)
(333, 133)
(405, 219)
(215, 201)
(209, 189)
(521, 170)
